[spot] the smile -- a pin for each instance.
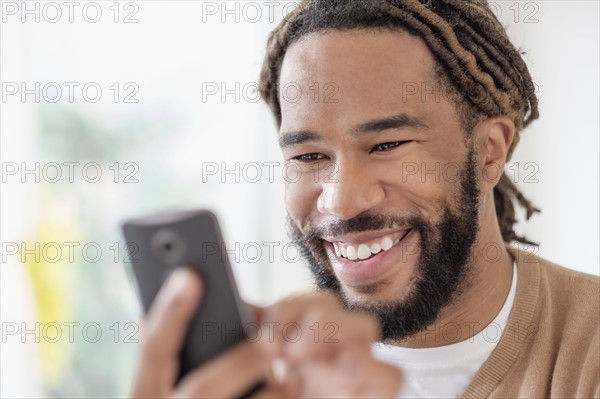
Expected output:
(358, 251)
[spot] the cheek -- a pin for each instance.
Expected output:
(300, 199)
(425, 184)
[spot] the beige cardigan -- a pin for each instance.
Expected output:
(550, 347)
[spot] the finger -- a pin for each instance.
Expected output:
(325, 337)
(256, 311)
(368, 377)
(354, 374)
(288, 380)
(171, 312)
(322, 308)
(167, 322)
(317, 325)
(272, 392)
(340, 324)
(286, 314)
(229, 375)
(142, 329)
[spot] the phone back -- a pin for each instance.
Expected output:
(159, 243)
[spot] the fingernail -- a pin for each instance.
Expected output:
(178, 280)
(180, 283)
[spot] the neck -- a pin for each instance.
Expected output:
(482, 299)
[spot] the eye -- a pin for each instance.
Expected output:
(383, 147)
(313, 156)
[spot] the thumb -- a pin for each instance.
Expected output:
(165, 329)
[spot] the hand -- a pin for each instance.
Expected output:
(332, 355)
(229, 375)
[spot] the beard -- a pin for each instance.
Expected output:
(443, 269)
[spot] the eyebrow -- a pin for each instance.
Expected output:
(392, 122)
(399, 121)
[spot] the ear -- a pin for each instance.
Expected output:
(494, 136)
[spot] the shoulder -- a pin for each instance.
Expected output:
(569, 284)
(566, 321)
(558, 280)
(568, 301)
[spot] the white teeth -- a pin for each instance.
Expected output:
(337, 249)
(386, 243)
(351, 253)
(375, 248)
(363, 251)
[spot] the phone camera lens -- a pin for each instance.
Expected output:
(168, 246)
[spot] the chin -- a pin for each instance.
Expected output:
(385, 277)
(377, 292)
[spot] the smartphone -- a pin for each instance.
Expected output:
(159, 243)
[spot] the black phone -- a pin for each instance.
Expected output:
(159, 243)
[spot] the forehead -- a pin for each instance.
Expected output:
(353, 75)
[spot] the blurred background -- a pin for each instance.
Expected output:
(115, 109)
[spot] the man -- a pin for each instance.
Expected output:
(408, 112)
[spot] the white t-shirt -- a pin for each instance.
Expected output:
(446, 371)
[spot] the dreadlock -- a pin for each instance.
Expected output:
(474, 60)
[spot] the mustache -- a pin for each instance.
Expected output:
(365, 222)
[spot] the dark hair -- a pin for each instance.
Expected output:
(474, 60)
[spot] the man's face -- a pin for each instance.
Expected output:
(385, 205)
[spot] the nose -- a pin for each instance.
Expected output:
(350, 192)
